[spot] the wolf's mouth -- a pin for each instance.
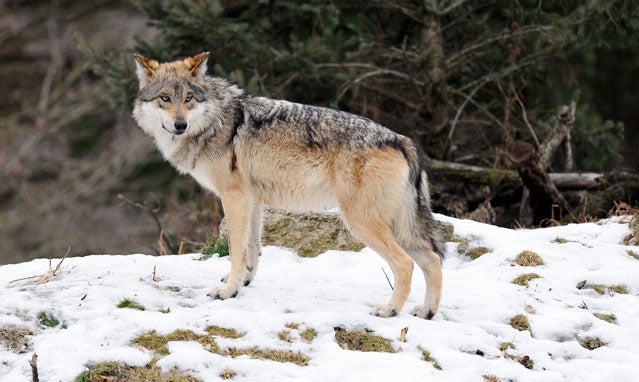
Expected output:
(174, 132)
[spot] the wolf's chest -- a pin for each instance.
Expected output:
(203, 174)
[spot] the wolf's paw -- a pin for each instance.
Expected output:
(422, 311)
(222, 293)
(248, 277)
(384, 311)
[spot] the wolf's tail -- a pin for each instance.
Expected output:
(420, 228)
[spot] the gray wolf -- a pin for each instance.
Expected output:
(253, 151)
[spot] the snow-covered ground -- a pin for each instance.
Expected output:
(339, 289)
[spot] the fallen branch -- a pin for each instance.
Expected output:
(500, 180)
(34, 367)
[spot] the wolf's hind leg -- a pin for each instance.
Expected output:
(377, 235)
(430, 263)
(237, 208)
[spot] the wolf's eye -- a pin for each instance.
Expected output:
(188, 99)
(165, 98)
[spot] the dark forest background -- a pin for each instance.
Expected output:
(466, 79)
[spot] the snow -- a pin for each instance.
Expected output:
(339, 289)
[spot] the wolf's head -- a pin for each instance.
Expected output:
(172, 95)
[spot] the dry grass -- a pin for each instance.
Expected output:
(308, 335)
(490, 378)
(292, 325)
(157, 343)
(115, 371)
(15, 339)
(506, 345)
(606, 317)
(523, 279)
(365, 342)
(227, 374)
(215, 330)
(283, 356)
(427, 357)
(529, 259)
(611, 289)
(633, 237)
(520, 322)
(477, 252)
(130, 304)
(591, 343)
(284, 335)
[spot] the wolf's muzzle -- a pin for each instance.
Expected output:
(180, 126)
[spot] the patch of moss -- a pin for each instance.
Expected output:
(591, 343)
(129, 304)
(601, 288)
(523, 279)
(529, 259)
(506, 345)
(365, 342)
(15, 339)
(476, 252)
(283, 356)
(520, 322)
(47, 320)
(606, 317)
(308, 335)
(173, 288)
(115, 371)
(216, 245)
(227, 374)
(427, 357)
(560, 240)
(157, 343)
(165, 310)
(635, 255)
(284, 335)
(215, 330)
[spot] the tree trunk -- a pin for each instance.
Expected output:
(545, 200)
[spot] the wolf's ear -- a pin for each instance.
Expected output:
(144, 68)
(197, 64)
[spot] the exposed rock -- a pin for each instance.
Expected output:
(308, 234)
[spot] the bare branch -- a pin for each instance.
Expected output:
(525, 117)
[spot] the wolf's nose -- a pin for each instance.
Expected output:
(180, 126)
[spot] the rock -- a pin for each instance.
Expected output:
(308, 234)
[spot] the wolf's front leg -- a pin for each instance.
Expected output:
(237, 206)
(254, 245)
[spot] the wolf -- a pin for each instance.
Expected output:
(253, 151)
